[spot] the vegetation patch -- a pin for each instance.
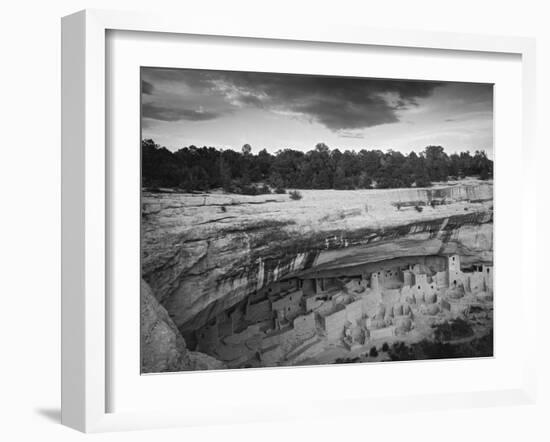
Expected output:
(204, 168)
(425, 349)
(455, 329)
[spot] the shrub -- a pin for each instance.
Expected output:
(454, 329)
(443, 332)
(401, 352)
(264, 189)
(423, 182)
(248, 190)
(418, 208)
(223, 209)
(385, 347)
(461, 328)
(280, 190)
(295, 195)
(373, 352)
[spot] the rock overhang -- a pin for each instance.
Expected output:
(218, 262)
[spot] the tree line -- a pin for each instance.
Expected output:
(205, 168)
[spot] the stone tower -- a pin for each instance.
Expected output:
(374, 281)
(407, 278)
(455, 275)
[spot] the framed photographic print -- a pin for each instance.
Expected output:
(292, 220)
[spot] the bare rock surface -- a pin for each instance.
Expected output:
(202, 361)
(162, 346)
(202, 253)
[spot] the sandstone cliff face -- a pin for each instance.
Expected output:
(162, 346)
(204, 253)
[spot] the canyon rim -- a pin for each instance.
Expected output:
(292, 220)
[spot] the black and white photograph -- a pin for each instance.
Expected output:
(299, 220)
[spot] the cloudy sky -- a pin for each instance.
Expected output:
(225, 109)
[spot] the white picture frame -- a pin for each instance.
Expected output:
(85, 202)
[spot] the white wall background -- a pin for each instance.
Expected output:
(30, 220)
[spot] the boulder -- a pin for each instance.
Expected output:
(201, 361)
(163, 348)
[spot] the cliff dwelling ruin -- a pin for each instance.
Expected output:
(345, 311)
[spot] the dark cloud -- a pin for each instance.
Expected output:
(146, 87)
(336, 102)
(163, 113)
(339, 103)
